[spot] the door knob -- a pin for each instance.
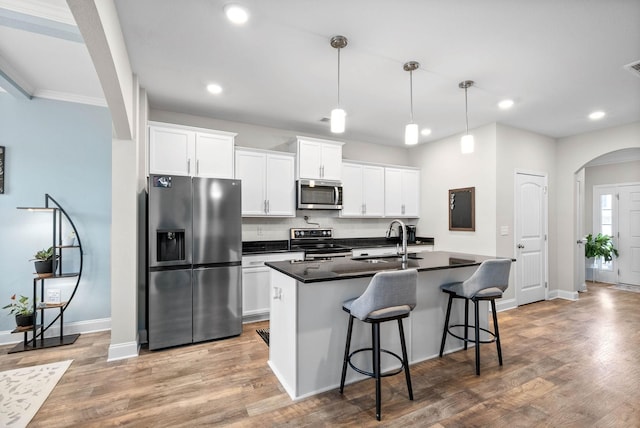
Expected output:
(520, 246)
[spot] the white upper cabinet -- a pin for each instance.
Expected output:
(319, 159)
(362, 190)
(181, 150)
(268, 183)
(402, 192)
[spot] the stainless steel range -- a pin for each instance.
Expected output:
(316, 244)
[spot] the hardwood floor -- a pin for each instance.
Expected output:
(574, 364)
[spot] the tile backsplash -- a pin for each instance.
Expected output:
(265, 228)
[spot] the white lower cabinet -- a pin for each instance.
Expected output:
(256, 301)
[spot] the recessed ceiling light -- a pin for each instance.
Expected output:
(425, 131)
(505, 104)
(597, 115)
(214, 88)
(236, 13)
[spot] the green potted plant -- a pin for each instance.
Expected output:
(600, 247)
(22, 308)
(44, 262)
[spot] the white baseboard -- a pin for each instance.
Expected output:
(506, 304)
(122, 351)
(563, 294)
(89, 326)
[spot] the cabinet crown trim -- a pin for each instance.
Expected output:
(318, 140)
(191, 128)
(266, 151)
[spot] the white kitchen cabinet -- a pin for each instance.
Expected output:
(402, 192)
(362, 190)
(256, 283)
(319, 159)
(183, 150)
(268, 183)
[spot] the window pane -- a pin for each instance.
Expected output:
(606, 229)
(606, 217)
(605, 201)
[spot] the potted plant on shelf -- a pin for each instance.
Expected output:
(44, 262)
(22, 308)
(600, 247)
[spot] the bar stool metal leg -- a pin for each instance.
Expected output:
(446, 325)
(477, 338)
(405, 359)
(466, 323)
(346, 353)
(496, 332)
(375, 333)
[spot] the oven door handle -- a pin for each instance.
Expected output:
(336, 195)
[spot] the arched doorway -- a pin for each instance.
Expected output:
(611, 168)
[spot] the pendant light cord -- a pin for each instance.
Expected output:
(411, 92)
(338, 77)
(466, 109)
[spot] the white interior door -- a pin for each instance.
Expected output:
(629, 235)
(531, 221)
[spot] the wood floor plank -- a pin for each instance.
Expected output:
(565, 364)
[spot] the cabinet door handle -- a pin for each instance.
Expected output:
(197, 166)
(402, 208)
(264, 206)
(268, 207)
(188, 166)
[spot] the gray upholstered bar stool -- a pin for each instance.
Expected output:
(390, 295)
(488, 282)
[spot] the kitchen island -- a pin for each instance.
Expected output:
(308, 326)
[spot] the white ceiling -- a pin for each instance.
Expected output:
(559, 60)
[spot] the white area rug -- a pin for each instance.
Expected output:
(23, 391)
(625, 287)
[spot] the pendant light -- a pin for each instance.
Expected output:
(411, 130)
(466, 143)
(338, 115)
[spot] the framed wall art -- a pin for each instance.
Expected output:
(462, 209)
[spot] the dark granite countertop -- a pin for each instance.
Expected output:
(257, 247)
(359, 267)
(280, 246)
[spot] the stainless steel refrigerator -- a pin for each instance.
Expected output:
(194, 290)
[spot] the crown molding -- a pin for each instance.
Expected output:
(71, 98)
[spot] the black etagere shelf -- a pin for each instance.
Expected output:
(37, 331)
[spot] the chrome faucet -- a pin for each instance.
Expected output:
(404, 238)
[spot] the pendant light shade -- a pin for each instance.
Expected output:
(467, 142)
(411, 130)
(338, 120)
(411, 134)
(338, 115)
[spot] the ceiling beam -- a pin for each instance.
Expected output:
(39, 25)
(99, 25)
(12, 83)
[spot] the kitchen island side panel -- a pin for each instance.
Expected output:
(306, 352)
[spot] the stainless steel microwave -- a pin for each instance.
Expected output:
(319, 195)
